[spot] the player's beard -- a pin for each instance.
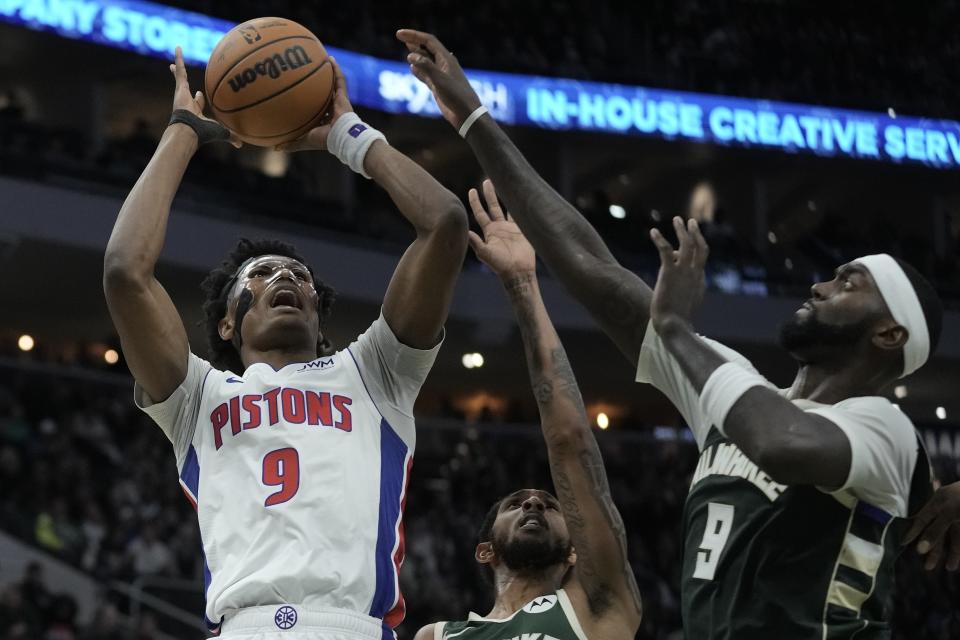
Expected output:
(804, 335)
(531, 556)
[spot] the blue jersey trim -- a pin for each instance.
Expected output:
(190, 474)
(874, 513)
(393, 457)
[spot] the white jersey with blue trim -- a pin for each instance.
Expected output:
(299, 475)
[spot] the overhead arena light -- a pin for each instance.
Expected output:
(25, 342)
(472, 360)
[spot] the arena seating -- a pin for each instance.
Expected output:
(89, 479)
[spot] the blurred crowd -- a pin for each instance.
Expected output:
(826, 53)
(221, 184)
(838, 54)
(30, 610)
(89, 479)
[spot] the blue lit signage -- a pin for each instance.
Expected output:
(552, 103)
(562, 104)
(143, 27)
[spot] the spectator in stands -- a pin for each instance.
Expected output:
(17, 618)
(106, 624)
(33, 589)
(148, 629)
(94, 531)
(151, 557)
(62, 618)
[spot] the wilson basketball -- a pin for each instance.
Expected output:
(269, 81)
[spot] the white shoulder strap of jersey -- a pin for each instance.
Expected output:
(567, 607)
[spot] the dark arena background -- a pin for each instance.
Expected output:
(800, 135)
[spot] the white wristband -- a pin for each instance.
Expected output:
(723, 388)
(465, 127)
(350, 139)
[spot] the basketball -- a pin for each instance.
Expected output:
(269, 81)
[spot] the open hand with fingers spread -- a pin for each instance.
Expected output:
(503, 246)
(435, 66)
(938, 527)
(188, 108)
(316, 138)
(681, 282)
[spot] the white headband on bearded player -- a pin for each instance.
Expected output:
(904, 305)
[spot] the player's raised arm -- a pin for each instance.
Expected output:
(596, 528)
(805, 448)
(616, 297)
(151, 332)
(418, 297)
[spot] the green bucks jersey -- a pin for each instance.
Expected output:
(763, 560)
(549, 617)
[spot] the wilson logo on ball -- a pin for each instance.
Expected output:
(292, 58)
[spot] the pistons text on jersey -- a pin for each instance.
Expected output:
(294, 406)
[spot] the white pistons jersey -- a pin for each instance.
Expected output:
(299, 477)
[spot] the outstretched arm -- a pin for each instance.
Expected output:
(596, 528)
(151, 332)
(803, 448)
(418, 297)
(572, 249)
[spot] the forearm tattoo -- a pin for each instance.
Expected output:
(557, 394)
(567, 242)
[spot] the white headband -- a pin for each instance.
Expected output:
(901, 299)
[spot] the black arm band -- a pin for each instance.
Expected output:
(206, 130)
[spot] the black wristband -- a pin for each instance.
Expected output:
(206, 130)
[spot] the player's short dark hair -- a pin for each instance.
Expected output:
(223, 354)
(485, 534)
(930, 302)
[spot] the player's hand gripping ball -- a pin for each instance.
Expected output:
(188, 107)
